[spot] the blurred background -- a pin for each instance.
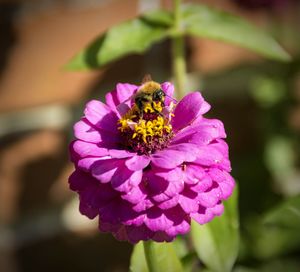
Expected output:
(258, 101)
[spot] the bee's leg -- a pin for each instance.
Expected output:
(141, 114)
(140, 107)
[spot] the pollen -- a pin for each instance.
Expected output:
(126, 119)
(146, 130)
(158, 106)
(149, 133)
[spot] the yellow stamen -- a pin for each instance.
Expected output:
(145, 129)
(148, 108)
(157, 106)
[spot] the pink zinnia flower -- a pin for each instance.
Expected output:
(148, 178)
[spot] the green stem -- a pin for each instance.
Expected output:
(150, 257)
(178, 52)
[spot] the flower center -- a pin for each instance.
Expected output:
(147, 130)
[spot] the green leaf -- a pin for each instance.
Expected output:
(138, 260)
(134, 36)
(188, 259)
(278, 230)
(162, 256)
(161, 17)
(217, 242)
(206, 22)
(287, 214)
(180, 246)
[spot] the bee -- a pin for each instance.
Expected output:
(149, 93)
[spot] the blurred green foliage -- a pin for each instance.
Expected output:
(217, 242)
(277, 231)
(162, 257)
(137, 35)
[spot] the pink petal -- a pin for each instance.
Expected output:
(181, 221)
(84, 149)
(214, 127)
(93, 195)
(120, 153)
(167, 159)
(138, 220)
(122, 109)
(124, 179)
(163, 186)
(85, 164)
(156, 220)
(85, 131)
(117, 211)
(111, 99)
(79, 180)
(205, 107)
(193, 173)
(108, 227)
(202, 216)
(100, 115)
(136, 234)
(125, 91)
(168, 89)
(155, 185)
(160, 198)
(209, 156)
(121, 234)
(180, 229)
(201, 134)
(218, 209)
(222, 147)
(143, 205)
(98, 195)
(104, 169)
(137, 162)
(210, 198)
(175, 155)
(122, 94)
(205, 215)
(188, 110)
(188, 201)
(136, 195)
(225, 181)
(170, 203)
(175, 181)
(202, 185)
(87, 210)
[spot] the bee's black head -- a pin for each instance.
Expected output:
(158, 95)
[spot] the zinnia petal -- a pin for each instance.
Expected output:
(188, 109)
(137, 163)
(101, 116)
(156, 220)
(175, 155)
(85, 131)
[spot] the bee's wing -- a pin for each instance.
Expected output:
(122, 109)
(129, 99)
(125, 106)
(146, 78)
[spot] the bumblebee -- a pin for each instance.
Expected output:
(149, 93)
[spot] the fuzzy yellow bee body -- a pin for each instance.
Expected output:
(149, 93)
